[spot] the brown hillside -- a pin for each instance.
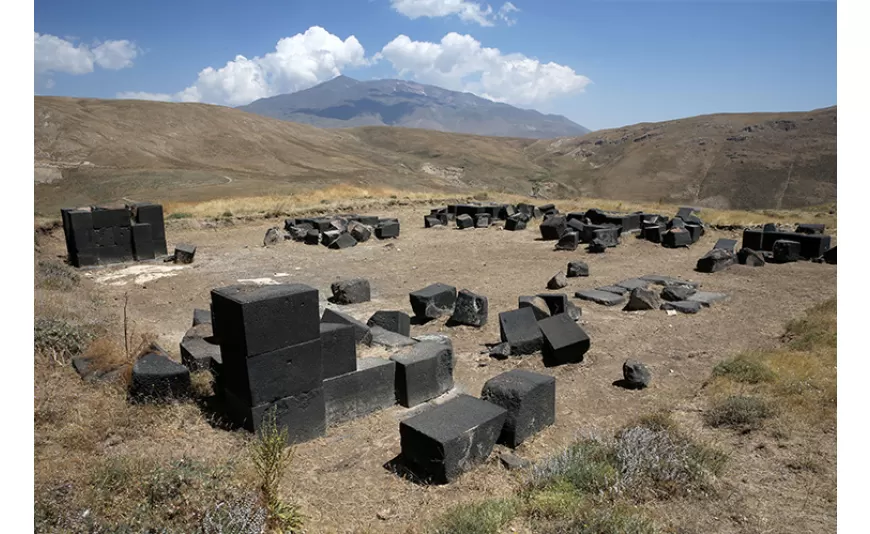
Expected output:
(89, 150)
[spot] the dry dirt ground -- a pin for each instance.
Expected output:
(340, 480)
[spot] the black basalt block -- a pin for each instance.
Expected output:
(750, 257)
(570, 240)
(273, 375)
(433, 301)
(156, 378)
(677, 237)
(392, 320)
(726, 244)
(312, 237)
(695, 231)
(353, 291)
(520, 329)
(812, 245)
(386, 230)
(553, 227)
(143, 244)
(608, 236)
(148, 213)
(514, 224)
(564, 340)
(831, 256)
(423, 372)
(345, 240)
(109, 218)
(556, 302)
(303, 416)
(371, 387)
(786, 251)
(464, 221)
(470, 309)
(337, 349)
(256, 319)
(362, 333)
(201, 317)
(184, 253)
(441, 443)
(429, 221)
(716, 260)
(530, 401)
(810, 228)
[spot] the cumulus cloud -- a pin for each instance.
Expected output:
(54, 54)
(297, 63)
(466, 10)
(461, 63)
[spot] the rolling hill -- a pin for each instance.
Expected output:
(90, 150)
(344, 102)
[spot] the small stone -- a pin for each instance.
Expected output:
(577, 268)
(273, 237)
(385, 515)
(557, 282)
(635, 375)
(500, 351)
(642, 299)
(573, 311)
(677, 293)
(512, 462)
(184, 253)
(716, 260)
(597, 246)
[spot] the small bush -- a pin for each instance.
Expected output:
(53, 274)
(588, 466)
(744, 370)
(227, 214)
(271, 457)
(604, 520)
(738, 412)
(817, 330)
(59, 339)
(487, 517)
(180, 215)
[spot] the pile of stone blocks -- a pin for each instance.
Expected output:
(486, 214)
(545, 323)
(683, 230)
(642, 293)
(807, 242)
(104, 235)
(450, 439)
(337, 231)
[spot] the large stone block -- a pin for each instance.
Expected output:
(199, 349)
(810, 228)
(149, 213)
(520, 329)
(653, 233)
(553, 227)
(470, 309)
(564, 340)
(716, 260)
(273, 375)
(110, 217)
(337, 349)
(303, 415)
(682, 306)
(156, 378)
(812, 245)
(609, 236)
(143, 244)
(433, 301)
(345, 240)
(677, 237)
(423, 372)
(388, 229)
(750, 257)
(726, 244)
(514, 224)
(785, 251)
(530, 401)
(539, 306)
(443, 442)
(577, 268)
(556, 302)
(642, 299)
(353, 291)
(371, 387)
(391, 340)
(254, 319)
(362, 332)
(392, 320)
(570, 240)
(831, 256)
(430, 220)
(464, 221)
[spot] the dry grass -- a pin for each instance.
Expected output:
(798, 380)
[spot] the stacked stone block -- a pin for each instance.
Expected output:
(101, 235)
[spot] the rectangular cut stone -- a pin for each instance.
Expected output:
(520, 329)
(371, 387)
(601, 297)
(273, 375)
(362, 332)
(302, 415)
(564, 340)
(530, 401)
(338, 349)
(433, 301)
(423, 372)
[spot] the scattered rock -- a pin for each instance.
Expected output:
(642, 299)
(351, 291)
(273, 237)
(359, 231)
(557, 282)
(512, 462)
(156, 378)
(500, 351)
(750, 257)
(184, 253)
(577, 268)
(677, 293)
(635, 375)
(714, 261)
(601, 297)
(470, 309)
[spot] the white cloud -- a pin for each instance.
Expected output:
(460, 63)
(466, 10)
(139, 95)
(297, 63)
(54, 54)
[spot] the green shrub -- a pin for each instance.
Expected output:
(738, 412)
(487, 517)
(271, 457)
(744, 370)
(59, 339)
(180, 215)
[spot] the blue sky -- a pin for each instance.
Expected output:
(600, 63)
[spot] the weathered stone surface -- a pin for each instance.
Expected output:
(573, 311)
(423, 372)
(514, 224)
(512, 462)
(677, 237)
(786, 251)
(569, 241)
(619, 290)
(273, 237)
(482, 220)
(329, 237)
(184, 253)
(682, 306)
(201, 316)
(337, 349)
(344, 240)
(558, 281)
(642, 299)
(445, 441)
(530, 401)
(520, 329)
(695, 231)
(351, 291)
(199, 349)
(665, 281)
(596, 246)
(726, 244)
(156, 378)
(601, 297)
(707, 298)
(464, 221)
(436, 338)
(653, 233)
(371, 387)
(769, 227)
(433, 301)
(359, 231)
(747, 256)
(635, 375)
(811, 245)
(677, 293)
(391, 340)
(716, 260)
(553, 227)
(538, 305)
(470, 309)
(500, 351)
(387, 229)
(564, 340)
(303, 415)
(312, 237)
(362, 332)
(577, 268)
(392, 320)
(633, 283)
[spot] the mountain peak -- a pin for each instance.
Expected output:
(344, 102)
